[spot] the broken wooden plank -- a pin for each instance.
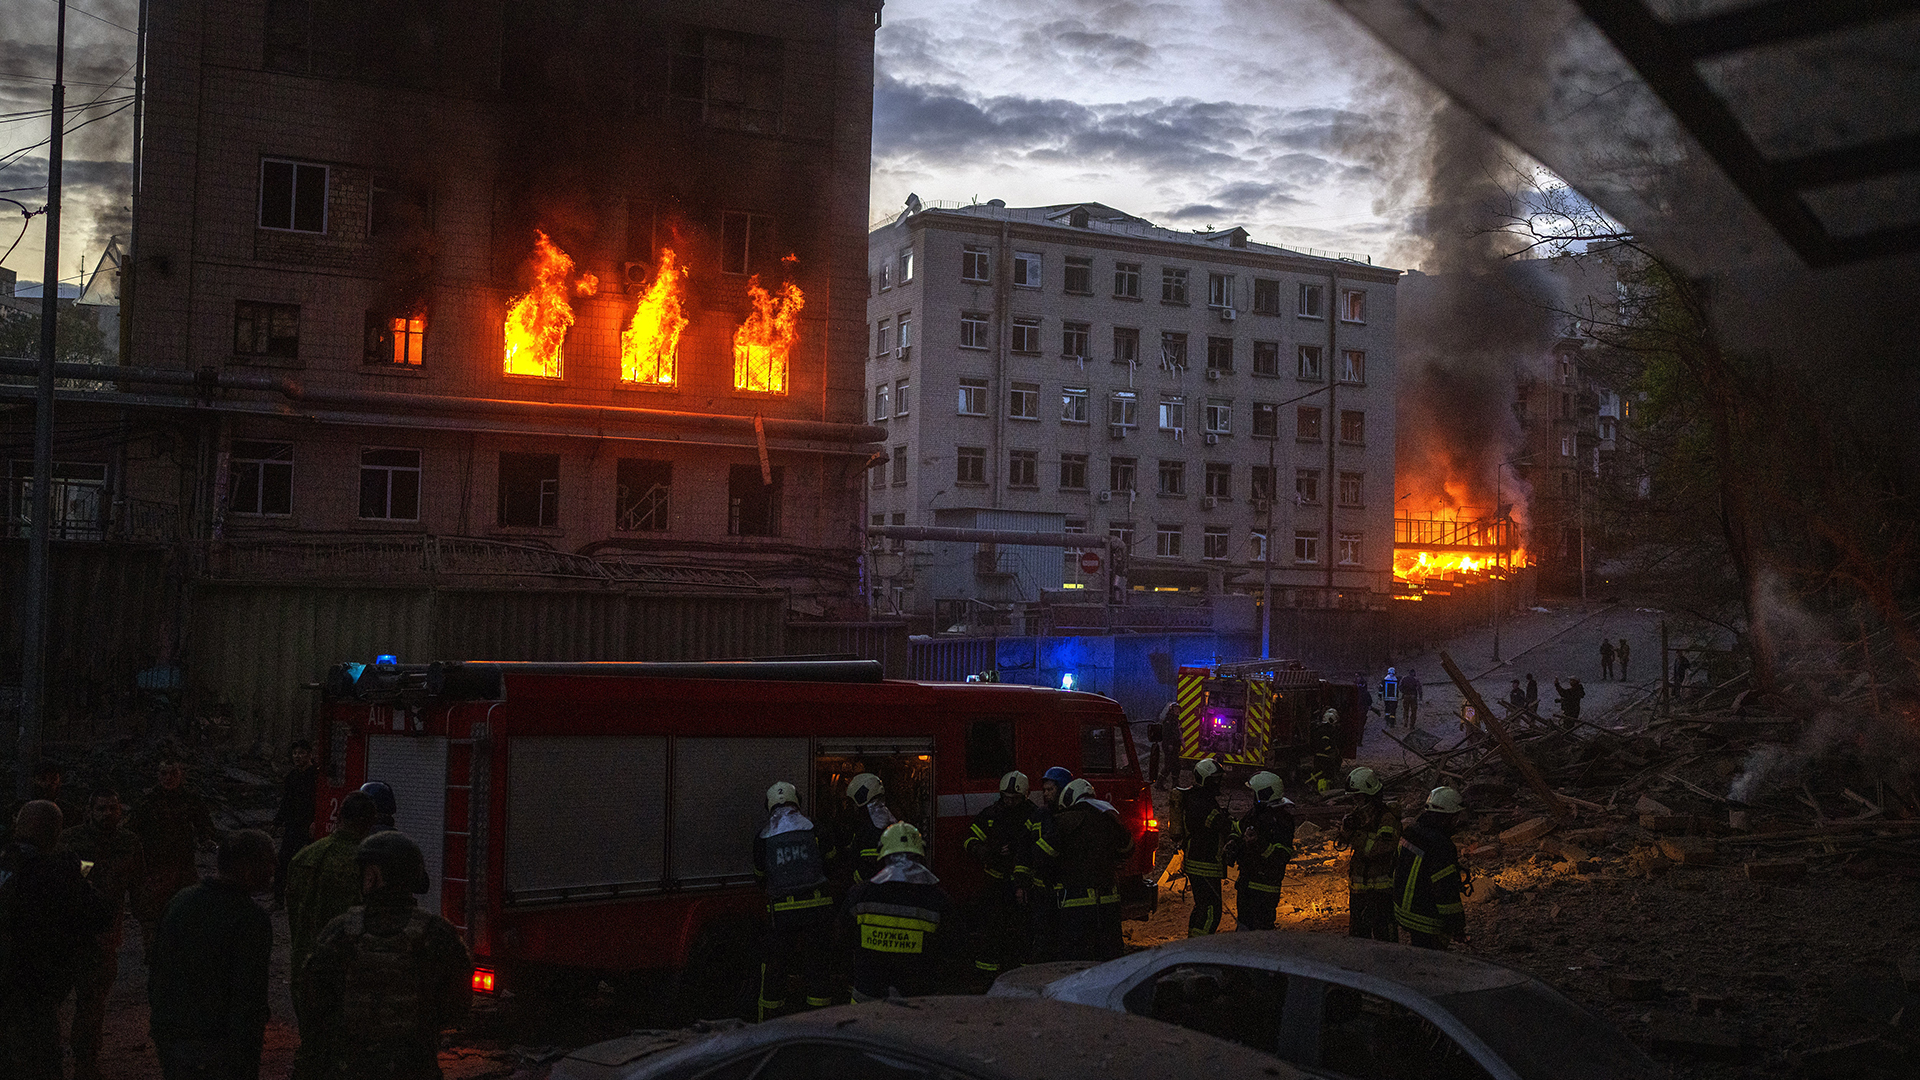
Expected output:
(1508, 750)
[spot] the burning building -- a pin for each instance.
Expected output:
(525, 293)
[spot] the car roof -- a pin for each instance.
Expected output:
(1429, 972)
(1002, 1038)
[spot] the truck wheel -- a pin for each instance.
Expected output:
(722, 976)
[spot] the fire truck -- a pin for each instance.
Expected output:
(1260, 713)
(599, 817)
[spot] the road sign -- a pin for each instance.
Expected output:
(1089, 562)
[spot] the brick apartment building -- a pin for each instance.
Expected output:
(1076, 368)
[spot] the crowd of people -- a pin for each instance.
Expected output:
(375, 979)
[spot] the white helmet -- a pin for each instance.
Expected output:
(865, 788)
(1014, 783)
(783, 794)
(1389, 671)
(1205, 769)
(1075, 791)
(1445, 800)
(1363, 781)
(1266, 787)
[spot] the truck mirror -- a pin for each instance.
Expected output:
(1154, 734)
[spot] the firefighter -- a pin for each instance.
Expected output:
(1390, 696)
(1005, 837)
(1372, 831)
(899, 922)
(789, 860)
(869, 819)
(1204, 855)
(1043, 901)
(386, 978)
(1326, 750)
(1091, 842)
(1427, 879)
(1265, 846)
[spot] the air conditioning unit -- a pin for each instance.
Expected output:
(1105, 496)
(1208, 502)
(904, 352)
(1116, 431)
(1212, 439)
(1213, 374)
(1260, 506)
(636, 275)
(1227, 314)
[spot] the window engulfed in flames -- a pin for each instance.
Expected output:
(537, 322)
(650, 345)
(1453, 543)
(763, 345)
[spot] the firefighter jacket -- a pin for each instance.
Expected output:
(1372, 830)
(1208, 829)
(383, 982)
(208, 981)
(1090, 841)
(1007, 837)
(788, 860)
(862, 836)
(323, 881)
(1266, 846)
(1427, 880)
(899, 926)
(170, 824)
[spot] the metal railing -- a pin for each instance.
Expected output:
(412, 558)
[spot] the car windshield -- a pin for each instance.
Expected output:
(1543, 1036)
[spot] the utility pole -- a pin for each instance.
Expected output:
(1266, 572)
(127, 258)
(33, 652)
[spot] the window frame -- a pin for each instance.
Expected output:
(1168, 539)
(1215, 542)
(1127, 403)
(261, 461)
(883, 337)
(1218, 481)
(1076, 462)
(975, 256)
(252, 312)
(978, 398)
(1070, 332)
(1083, 265)
(1353, 489)
(906, 265)
(977, 325)
(1353, 367)
(1172, 482)
(1123, 468)
(1023, 401)
(1023, 469)
(1029, 269)
(1174, 282)
(1350, 548)
(970, 465)
(1309, 479)
(1266, 359)
(1025, 335)
(1301, 415)
(1317, 308)
(1352, 300)
(1218, 416)
(902, 406)
(1173, 412)
(295, 167)
(1074, 400)
(1306, 547)
(1266, 289)
(1130, 335)
(1220, 354)
(1126, 280)
(882, 402)
(1353, 427)
(1316, 371)
(1271, 413)
(1220, 291)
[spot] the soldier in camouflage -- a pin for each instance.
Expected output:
(385, 979)
(119, 862)
(173, 823)
(323, 882)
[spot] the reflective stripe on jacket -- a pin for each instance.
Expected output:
(1427, 881)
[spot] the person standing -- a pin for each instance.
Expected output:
(1204, 857)
(1533, 694)
(383, 801)
(45, 787)
(792, 866)
(1410, 694)
(1266, 846)
(1325, 732)
(1043, 900)
(1371, 831)
(1390, 696)
(324, 881)
(51, 918)
(1622, 653)
(898, 924)
(1004, 838)
(118, 864)
(294, 820)
(1428, 883)
(385, 979)
(173, 824)
(208, 989)
(1090, 842)
(869, 819)
(1606, 658)
(1516, 697)
(1569, 697)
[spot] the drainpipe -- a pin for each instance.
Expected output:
(1002, 330)
(1332, 491)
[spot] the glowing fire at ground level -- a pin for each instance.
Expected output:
(1458, 545)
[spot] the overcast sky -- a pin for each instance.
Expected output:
(1281, 115)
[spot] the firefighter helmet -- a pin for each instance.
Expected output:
(1014, 783)
(783, 794)
(1205, 770)
(1363, 781)
(1075, 791)
(1059, 774)
(1445, 800)
(865, 788)
(902, 838)
(399, 860)
(1266, 787)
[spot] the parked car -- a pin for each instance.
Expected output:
(1366, 1009)
(936, 1038)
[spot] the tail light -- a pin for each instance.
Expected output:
(482, 980)
(1153, 824)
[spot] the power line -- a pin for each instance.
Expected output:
(96, 18)
(4, 75)
(13, 157)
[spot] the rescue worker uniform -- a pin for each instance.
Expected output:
(1390, 696)
(789, 861)
(383, 981)
(171, 825)
(1326, 750)
(1090, 843)
(1428, 883)
(899, 926)
(119, 863)
(1204, 855)
(49, 917)
(1372, 831)
(862, 832)
(208, 989)
(323, 883)
(1266, 846)
(1007, 839)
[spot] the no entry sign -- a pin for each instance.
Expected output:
(1089, 562)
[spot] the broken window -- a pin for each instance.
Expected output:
(1353, 366)
(389, 484)
(262, 329)
(753, 503)
(727, 79)
(641, 494)
(1266, 297)
(1266, 358)
(396, 341)
(1026, 269)
(1312, 297)
(1126, 280)
(1173, 285)
(747, 243)
(1079, 276)
(260, 478)
(976, 264)
(1310, 363)
(1023, 468)
(1353, 306)
(1214, 542)
(529, 491)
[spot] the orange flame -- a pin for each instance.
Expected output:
(537, 322)
(764, 343)
(650, 345)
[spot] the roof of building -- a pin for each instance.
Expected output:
(1100, 218)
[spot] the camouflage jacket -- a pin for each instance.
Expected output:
(322, 883)
(383, 981)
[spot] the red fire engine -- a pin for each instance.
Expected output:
(599, 817)
(1261, 713)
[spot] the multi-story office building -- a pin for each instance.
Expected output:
(1199, 397)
